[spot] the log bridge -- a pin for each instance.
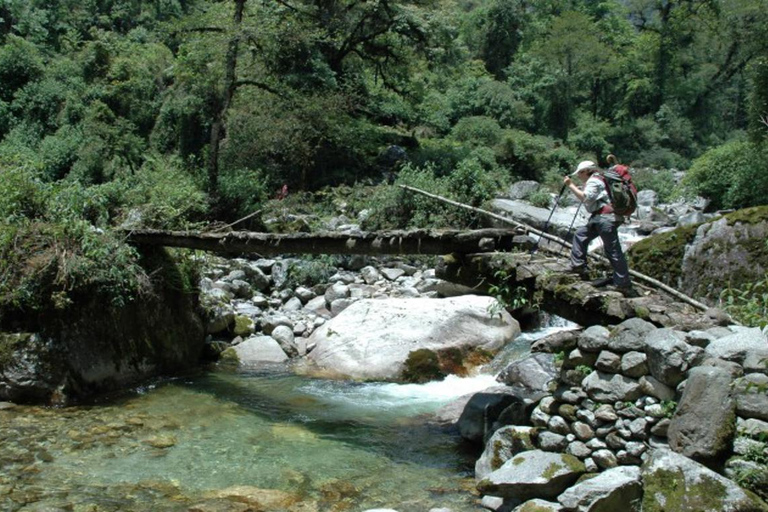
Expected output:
(504, 258)
(384, 242)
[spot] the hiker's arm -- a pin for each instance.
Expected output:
(573, 188)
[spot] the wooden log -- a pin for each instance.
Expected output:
(385, 242)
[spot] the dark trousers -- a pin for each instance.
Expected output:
(608, 230)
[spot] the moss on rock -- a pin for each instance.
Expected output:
(421, 366)
(667, 490)
(243, 326)
(229, 356)
(661, 256)
(755, 215)
(9, 342)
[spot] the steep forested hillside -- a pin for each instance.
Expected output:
(167, 112)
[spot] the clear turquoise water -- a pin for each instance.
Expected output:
(184, 444)
(333, 445)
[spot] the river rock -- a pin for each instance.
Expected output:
(752, 396)
(559, 222)
(747, 347)
(676, 483)
(258, 499)
(533, 372)
(318, 306)
(725, 252)
(392, 274)
(630, 335)
(533, 474)
(612, 490)
(522, 189)
(477, 420)
(669, 357)
(504, 444)
(256, 350)
(284, 336)
(704, 423)
(609, 388)
(538, 505)
(365, 342)
(647, 197)
(594, 339)
(652, 387)
(99, 347)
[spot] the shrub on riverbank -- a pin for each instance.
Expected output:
(57, 243)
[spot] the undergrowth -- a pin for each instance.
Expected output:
(748, 304)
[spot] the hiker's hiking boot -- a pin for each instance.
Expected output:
(603, 281)
(627, 291)
(579, 270)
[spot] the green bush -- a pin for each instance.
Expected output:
(590, 135)
(531, 157)
(635, 136)
(476, 178)
(734, 175)
(541, 198)
(311, 271)
(22, 193)
(747, 305)
(661, 181)
(442, 155)
(677, 130)
(242, 192)
(164, 194)
(20, 63)
(660, 158)
(46, 265)
(477, 131)
(499, 101)
(58, 152)
(41, 102)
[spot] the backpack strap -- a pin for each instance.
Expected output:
(607, 208)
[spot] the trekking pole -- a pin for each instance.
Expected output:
(546, 224)
(573, 221)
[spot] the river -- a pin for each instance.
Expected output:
(196, 441)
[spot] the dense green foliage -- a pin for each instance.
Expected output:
(734, 175)
(176, 112)
(243, 96)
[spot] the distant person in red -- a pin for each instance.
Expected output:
(282, 193)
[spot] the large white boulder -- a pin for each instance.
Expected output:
(371, 339)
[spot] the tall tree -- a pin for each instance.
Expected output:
(577, 57)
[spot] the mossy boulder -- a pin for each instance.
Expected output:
(244, 326)
(674, 482)
(94, 345)
(503, 445)
(533, 474)
(703, 259)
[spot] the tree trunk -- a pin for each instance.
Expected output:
(218, 128)
(386, 242)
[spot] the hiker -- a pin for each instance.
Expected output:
(603, 223)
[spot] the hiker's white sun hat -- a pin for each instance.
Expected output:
(586, 164)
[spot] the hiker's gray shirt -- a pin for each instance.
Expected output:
(596, 196)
